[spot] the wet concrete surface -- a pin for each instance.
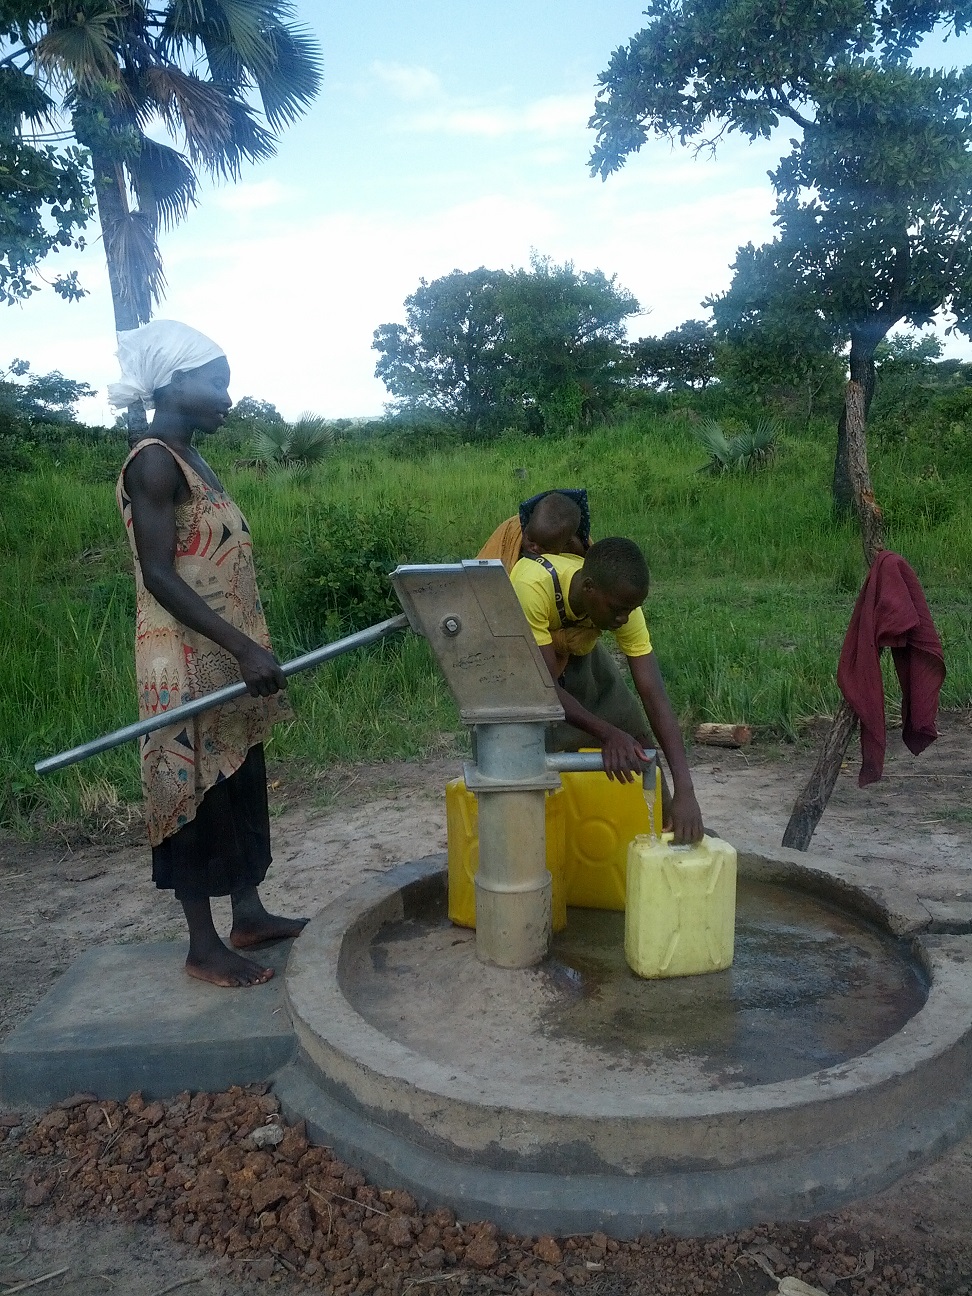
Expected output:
(810, 987)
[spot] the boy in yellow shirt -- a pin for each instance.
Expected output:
(569, 601)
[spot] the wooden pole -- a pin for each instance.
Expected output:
(812, 801)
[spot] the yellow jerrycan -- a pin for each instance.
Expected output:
(603, 817)
(680, 914)
(462, 832)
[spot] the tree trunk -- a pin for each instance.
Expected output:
(812, 801)
(112, 202)
(861, 373)
(868, 513)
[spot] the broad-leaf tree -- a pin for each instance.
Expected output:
(449, 356)
(875, 194)
(679, 360)
(775, 344)
(45, 196)
(127, 72)
(564, 333)
(539, 348)
(27, 399)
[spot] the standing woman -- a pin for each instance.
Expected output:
(199, 626)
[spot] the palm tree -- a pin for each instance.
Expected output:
(192, 67)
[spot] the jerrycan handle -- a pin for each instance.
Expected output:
(667, 841)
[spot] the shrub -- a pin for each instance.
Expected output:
(342, 585)
(14, 455)
(294, 447)
(748, 450)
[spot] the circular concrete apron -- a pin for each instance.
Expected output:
(833, 1056)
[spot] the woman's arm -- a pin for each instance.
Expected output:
(153, 482)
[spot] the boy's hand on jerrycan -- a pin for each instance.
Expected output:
(683, 818)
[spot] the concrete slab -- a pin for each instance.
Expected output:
(537, 1149)
(126, 1017)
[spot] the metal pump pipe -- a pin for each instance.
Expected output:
(217, 698)
(511, 777)
(513, 886)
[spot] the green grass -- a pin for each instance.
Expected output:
(752, 586)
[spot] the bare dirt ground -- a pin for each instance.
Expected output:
(68, 892)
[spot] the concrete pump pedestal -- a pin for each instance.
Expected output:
(833, 1056)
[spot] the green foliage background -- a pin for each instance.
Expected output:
(753, 581)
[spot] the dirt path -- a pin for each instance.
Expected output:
(62, 896)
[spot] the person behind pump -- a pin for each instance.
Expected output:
(199, 626)
(583, 597)
(519, 534)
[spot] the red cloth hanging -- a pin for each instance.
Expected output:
(891, 612)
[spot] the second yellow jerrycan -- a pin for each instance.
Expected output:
(681, 907)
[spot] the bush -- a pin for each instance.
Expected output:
(749, 449)
(418, 439)
(342, 583)
(14, 455)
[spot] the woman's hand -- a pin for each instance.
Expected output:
(260, 670)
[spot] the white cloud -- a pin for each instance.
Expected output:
(409, 83)
(548, 118)
(257, 195)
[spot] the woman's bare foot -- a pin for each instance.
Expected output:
(224, 968)
(248, 932)
(252, 925)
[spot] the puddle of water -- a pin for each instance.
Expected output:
(809, 987)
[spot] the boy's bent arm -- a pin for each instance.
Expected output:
(686, 815)
(623, 755)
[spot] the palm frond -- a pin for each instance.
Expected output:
(187, 102)
(220, 130)
(164, 182)
(754, 447)
(310, 439)
(182, 21)
(251, 42)
(748, 450)
(245, 24)
(292, 445)
(711, 436)
(270, 442)
(133, 251)
(248, 142)
(80, 43)
(294, 80)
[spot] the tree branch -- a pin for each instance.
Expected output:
(781, 101)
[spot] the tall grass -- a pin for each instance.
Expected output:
(753, 582)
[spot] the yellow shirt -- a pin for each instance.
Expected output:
(534, 588)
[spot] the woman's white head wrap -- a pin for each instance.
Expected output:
(151, 355)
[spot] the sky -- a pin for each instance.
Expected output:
(448, 135)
